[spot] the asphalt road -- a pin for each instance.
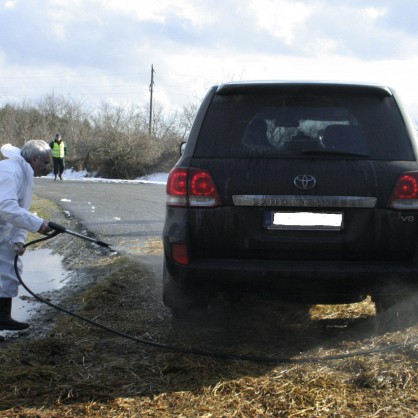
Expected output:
(125, 215)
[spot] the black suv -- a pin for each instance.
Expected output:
(306, 192)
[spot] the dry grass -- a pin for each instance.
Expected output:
(78, 370)
(44, 209)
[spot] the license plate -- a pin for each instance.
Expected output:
(306, 221)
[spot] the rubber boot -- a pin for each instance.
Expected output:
(6, 320)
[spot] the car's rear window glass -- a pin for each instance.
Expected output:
(304, 124)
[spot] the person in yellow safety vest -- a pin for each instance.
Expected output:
(59, 150)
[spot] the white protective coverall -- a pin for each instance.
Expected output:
(16, 187)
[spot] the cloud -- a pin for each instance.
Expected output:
(103, 49)
(281, 18)
(109, 32)
(190, 11)
(402, 17)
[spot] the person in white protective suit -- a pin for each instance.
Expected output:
(16, 186)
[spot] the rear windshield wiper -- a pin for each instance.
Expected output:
(334, 152)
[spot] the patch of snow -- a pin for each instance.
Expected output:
(71, 174)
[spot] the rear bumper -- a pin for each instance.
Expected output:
(316, 282)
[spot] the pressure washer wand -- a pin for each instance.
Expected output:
(59, 228)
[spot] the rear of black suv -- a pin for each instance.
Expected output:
(306, 192)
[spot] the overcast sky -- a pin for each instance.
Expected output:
(102, 50)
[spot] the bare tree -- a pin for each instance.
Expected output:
(111, 140)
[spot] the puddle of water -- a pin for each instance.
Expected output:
(42, 272)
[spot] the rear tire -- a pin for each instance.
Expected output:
(395, 312)
(184, 303)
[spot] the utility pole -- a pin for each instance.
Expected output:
(151, 89)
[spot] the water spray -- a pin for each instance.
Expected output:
(58, 229)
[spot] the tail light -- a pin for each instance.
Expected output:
(191, 187)
(405, 194)
(177, 187)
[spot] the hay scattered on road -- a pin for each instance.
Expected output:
(78, 370)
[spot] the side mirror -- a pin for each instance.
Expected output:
(182, 148)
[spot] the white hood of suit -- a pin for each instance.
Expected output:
(9, 151)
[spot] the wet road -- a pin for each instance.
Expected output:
(124, 215)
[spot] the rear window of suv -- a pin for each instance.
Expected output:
(304, 123)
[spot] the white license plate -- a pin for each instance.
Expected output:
(307, 221)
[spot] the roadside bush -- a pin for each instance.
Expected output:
(111, 141)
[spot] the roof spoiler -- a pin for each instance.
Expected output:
(271, 86)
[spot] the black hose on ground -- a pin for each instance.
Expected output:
(192, 351)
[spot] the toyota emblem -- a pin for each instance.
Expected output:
(304, 181)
